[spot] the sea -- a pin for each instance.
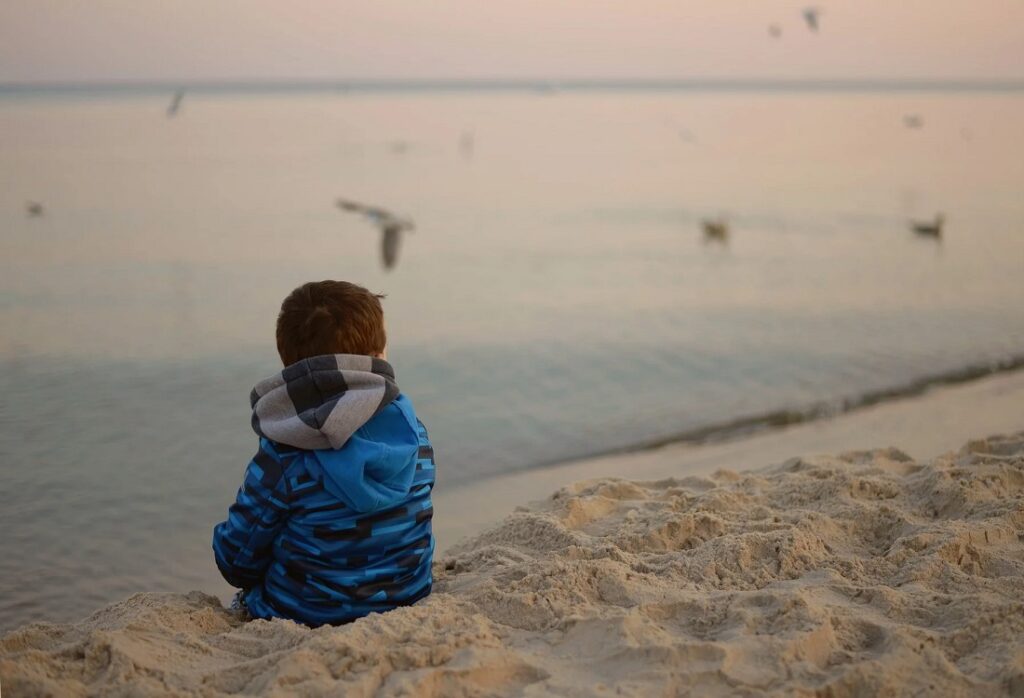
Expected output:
(557, 298)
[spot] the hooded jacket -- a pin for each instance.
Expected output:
(333, 519)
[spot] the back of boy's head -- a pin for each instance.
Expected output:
(330, 317)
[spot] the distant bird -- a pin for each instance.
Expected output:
(811, 15)
(931, 229)
(34, 209)
(682, 132)
(774, 31)
(467, 143)
(399, 147)
(390, 226)
(715, 230)
(913, 121)
(172, 108)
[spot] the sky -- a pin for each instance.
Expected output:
(209, 40)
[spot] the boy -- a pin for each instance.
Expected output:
(332, 521)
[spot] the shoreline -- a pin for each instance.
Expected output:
(747, 426)
(862, 573)
(932, 418)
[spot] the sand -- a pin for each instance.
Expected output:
(861, 574)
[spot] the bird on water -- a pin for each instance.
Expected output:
(715, 230)
(929, 228)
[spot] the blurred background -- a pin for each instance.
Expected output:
(599, 225)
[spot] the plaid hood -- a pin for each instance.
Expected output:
(319, 402)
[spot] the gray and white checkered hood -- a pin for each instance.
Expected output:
(319, 402)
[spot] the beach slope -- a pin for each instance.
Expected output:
(864, 573)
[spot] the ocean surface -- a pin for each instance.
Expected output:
(556, 299)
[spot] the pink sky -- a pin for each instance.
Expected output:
(57, 40)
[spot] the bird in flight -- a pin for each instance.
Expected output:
(391, 228)
(811, 15)
(175, 105)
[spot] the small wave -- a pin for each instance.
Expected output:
(747, 425)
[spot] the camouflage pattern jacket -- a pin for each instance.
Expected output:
(333, 519)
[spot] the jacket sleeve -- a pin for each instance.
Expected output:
(243, 545)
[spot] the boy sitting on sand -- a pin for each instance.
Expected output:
(332, 521)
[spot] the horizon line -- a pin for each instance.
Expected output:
(519, 84)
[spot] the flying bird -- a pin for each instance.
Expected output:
(811, 15)
(34, 209)
(391, 228)
(775, 31)
(913, 121)
(172, 108)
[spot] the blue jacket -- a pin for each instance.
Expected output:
(333, 520)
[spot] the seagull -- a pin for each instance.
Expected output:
(172, 108)
(929, 229)
(913, 121)
(715, 230)
(34, 209)
(467, 143)
(811, 17)
(390, 226)
(682, 132)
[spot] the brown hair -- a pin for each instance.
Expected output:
(330, 317)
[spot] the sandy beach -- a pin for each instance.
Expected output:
(576, 349)
(865, 572)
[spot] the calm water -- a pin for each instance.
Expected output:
(556, 299)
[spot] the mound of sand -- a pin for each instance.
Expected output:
(861, 574)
